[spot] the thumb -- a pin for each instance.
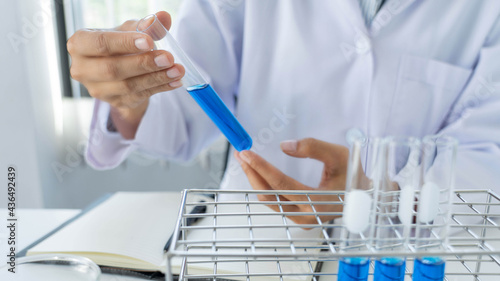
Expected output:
(325, 152)
(165, 19)
(131, 25)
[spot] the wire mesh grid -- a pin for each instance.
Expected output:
(238, 238)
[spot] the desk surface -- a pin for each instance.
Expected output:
(35, 223)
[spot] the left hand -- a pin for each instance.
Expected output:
(264, 176)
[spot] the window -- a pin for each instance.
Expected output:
(111, 13)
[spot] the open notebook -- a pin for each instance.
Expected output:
(130, 229)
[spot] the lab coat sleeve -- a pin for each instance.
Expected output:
(174, 127)
(475, 121)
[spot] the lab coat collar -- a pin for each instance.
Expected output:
(391, 8)
(352, 13)
(387, 12)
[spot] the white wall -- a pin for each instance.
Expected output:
(40, 131)
(17, 127)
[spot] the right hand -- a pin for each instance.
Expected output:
(118, 67)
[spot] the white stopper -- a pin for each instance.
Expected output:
(405, 210)
(428, 206)
(357, 210)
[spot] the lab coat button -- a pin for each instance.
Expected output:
(363, 45)
(353, 134)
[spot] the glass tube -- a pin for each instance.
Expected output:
(196, 85)
(358, 214)
(434, 205)
(395, 204)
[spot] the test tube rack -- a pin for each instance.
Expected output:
(472, 250)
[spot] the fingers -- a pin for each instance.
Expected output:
(124, 39)
(144, 85)
(264, 176)
(131, 25)
(98, 43)
(282, 208)
(273, 176)
(165, 19)
(147, 81)
(100, 69)
(267, 177)
(133, 100)
(256, 181)
(328, 153)
(254, 178)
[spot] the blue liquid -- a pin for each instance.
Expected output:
(390, 269)
(215, 108)
(428, 269)
(353, 269)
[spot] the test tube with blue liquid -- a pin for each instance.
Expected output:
(434, 206)
(358, 213)
(395, 204)
(196, 85)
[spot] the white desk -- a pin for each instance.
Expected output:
(33, 224)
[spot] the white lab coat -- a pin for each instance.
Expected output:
(313, 69)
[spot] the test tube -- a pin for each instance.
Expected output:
(196, 85)
(400, 166)
(434, 206)
(358, 214)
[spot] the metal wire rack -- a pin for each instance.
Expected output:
(239, 238)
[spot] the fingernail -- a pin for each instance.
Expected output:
(174, 72)
(238, 158)
(162, 61)
(244, 156)
(141, 44)
(289, 145)
(175, 84)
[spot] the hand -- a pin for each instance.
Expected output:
(117, 66)
(264, 176)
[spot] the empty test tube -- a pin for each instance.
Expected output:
(400, 163)
(434, 206)
(358, 214)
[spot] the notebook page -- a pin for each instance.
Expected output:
(130, 224)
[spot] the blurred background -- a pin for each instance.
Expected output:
(45, 115)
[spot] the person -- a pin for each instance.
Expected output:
(316, 73)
